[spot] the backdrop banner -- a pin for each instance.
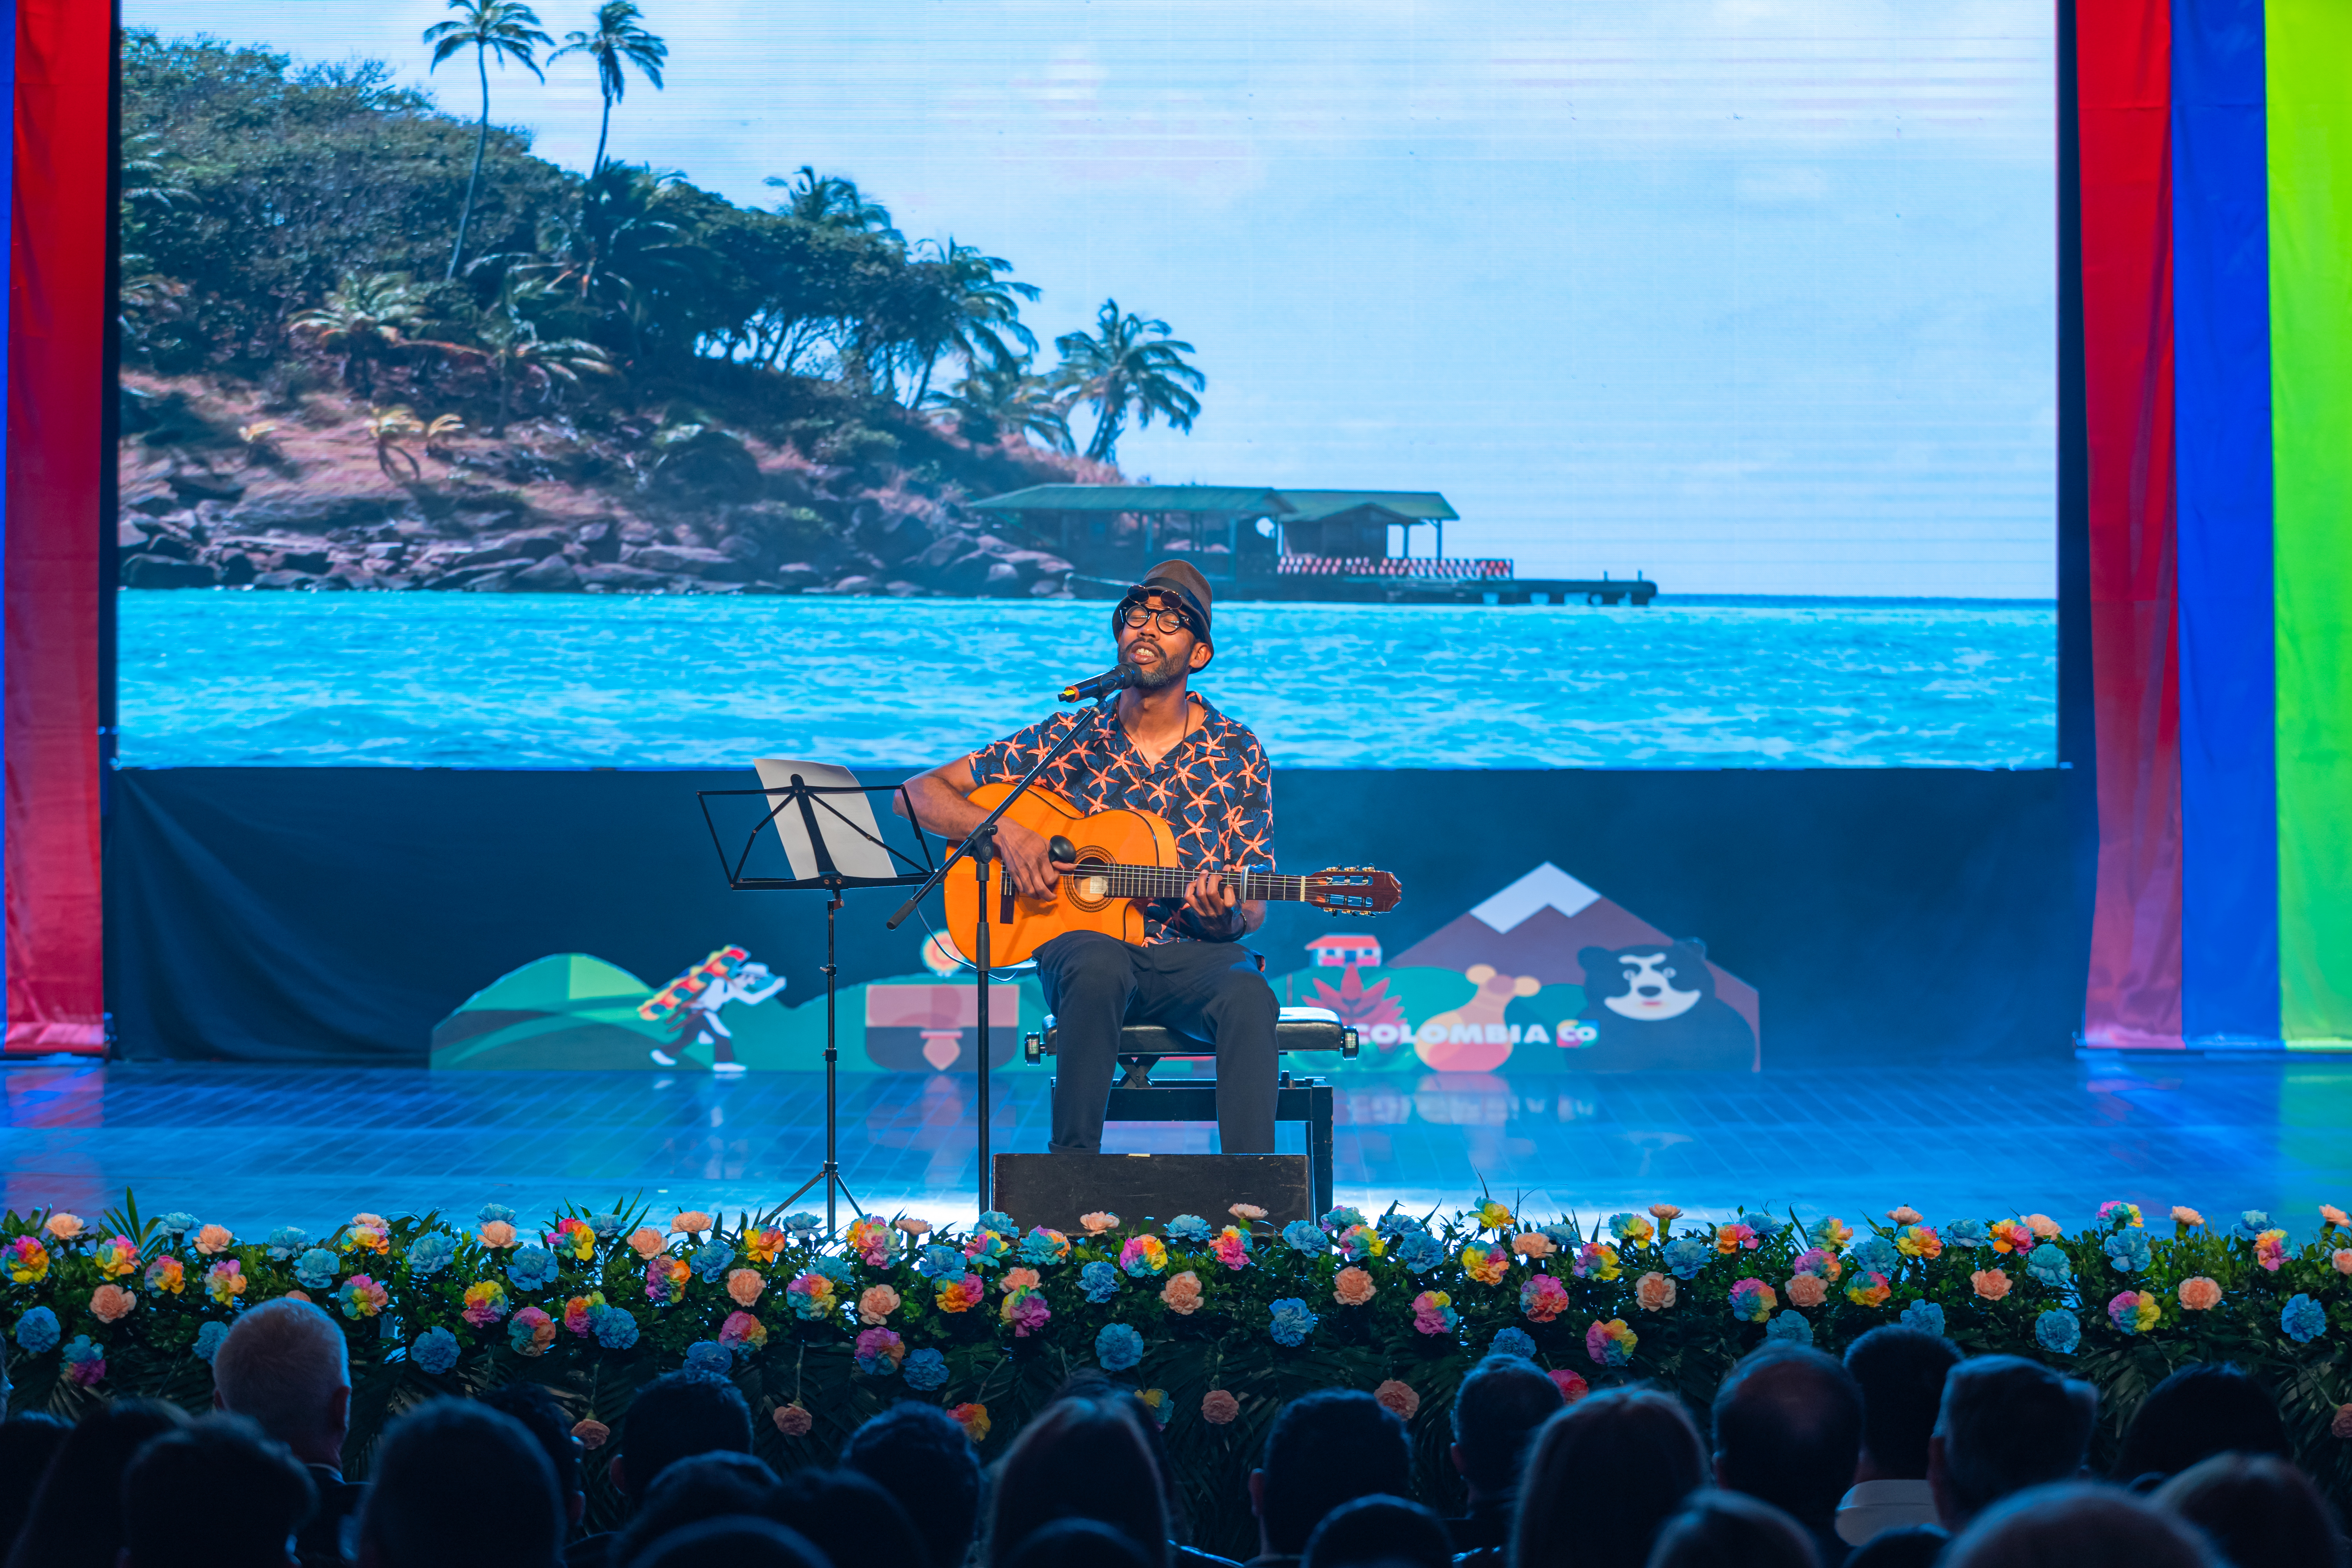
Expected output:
(1623, 920)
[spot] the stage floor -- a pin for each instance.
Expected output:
(255, 1148)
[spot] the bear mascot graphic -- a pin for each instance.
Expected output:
(1655, 1006)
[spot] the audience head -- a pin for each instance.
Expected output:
(286, 1367)
(550, 1428)
(249, 1492)
(2076, 1525)
(699, 1487)
(675, 1416)
(2256, 1508)
(846, 1516)
(1496, 1413)
(1788, 1426)
(1732, 1529)
(1911, 1546)
(737, 1540)
(1374, 1531)
(1326, 1449)
(433, 1467)
(1900, 1373)
(2197, 1412)
(2006, 1424)
(76, 1517)
(1088, 1384)
(1080, 1457)
(27, 1442)
(1602, 1477)
(1078, 1543)
(921, 1456)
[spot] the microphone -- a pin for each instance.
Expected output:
(1117, 679)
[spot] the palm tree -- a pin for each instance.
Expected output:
(616, 256)
(833, 201)
(388, 428)
(1121, 366)
(976, 307)
(507, 28)
(1003, 399)
(362, 320)
(516, 354)
(616, 43)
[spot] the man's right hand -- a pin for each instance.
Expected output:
(1024, 853)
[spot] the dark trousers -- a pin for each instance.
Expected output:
(1211, 991)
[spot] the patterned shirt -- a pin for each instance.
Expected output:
(1213, 789)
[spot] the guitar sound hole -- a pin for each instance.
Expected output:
(1088, 892)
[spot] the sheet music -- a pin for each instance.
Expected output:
(856, 845)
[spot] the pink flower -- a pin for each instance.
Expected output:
(543, 1331)
(915, 1226)
(1808, 1291)
(1245, 1212)
(870, 1240)
(1027, 1312)
(1098, 1222)
(213, 1239)
(1664, 1214)
(1434, 1313)
(2200, 1294)
(793, 1420)
(645, 1240)
(665, 1279)
(1351, 1286)
(1398, 1397)
(2186, 1216)
(575, 1311)
(1533, 1244)
(1731, 1238)
(1183, 1293)
(498, 1235)
(1571, 1387)
(2270, 1249)
(1904, 1214)
(2331, 1216)
(485, 1304)
(1219, 1408)
(1653, 1292)
(693, 1221)
(2044, 1226)
(1232, 1247)
(962, 1294)
(743, 1329)
(2342, 1259)
(877, 1346)
(1543, 1298)
(875, 1304)
(745, 1285)
(1991, 1284)
(2342, 1426)
(63, 1226)
(593, 1434)
(108, 1302)
(1019, 1279)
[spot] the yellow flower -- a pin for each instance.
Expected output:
(1494, 1215)
(1487, 1265)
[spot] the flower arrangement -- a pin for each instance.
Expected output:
(1232, 1314)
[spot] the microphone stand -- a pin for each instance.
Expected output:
(979, 846)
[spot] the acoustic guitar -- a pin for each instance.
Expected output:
(1112, 864)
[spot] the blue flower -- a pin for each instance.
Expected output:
(613, 1328)
(710, 1355)
(209, 1341)
(999, 1221)
(1513, 1342)
(1875, 1253)
(2058, 1330)
(37, 1331)
(1420, 1250)
(431, 1253)
(1099, 1281)
(1187, 1227)
(533, 1269)
(1292, 1321)
(708, 1261)
(835, 1268)
(926, 1370)
(434, 1351)
(803, 1224)
(2250, 1225)
(1565, 1236)
(1304, 1236)
(605, 1226)
(1392, 1224)
(1925, 1316)
(2127, 1250)
(1118, 1347)
(1965, 1233)
(179, 1222)
(1765, 1225)
(80, 1352)
(288, 1240)
(1685, 1256)
(1038, 1251)
(1339, 1219)
(1788, 1326)
(1619, 1224)
(491, 1212)
(2303, 1319)
(2049, 1265)
(941, 1263)
(315, 1269)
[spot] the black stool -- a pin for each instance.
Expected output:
(1135, 1098)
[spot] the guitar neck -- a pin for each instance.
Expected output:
(1168, 882)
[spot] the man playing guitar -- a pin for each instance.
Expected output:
(1169, 752)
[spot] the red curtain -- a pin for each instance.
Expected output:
(2123, 79)
(57, 314)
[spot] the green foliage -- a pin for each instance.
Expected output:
(832, 1327)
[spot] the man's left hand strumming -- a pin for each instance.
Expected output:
(1216, 908)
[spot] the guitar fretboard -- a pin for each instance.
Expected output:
(1168, 882)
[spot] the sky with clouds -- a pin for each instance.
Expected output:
(1753, 295)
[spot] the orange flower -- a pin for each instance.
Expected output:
(875, 1305)
(1487, 1265)
(1903, 1214)
(973, 1419)
(213, 1239)
(1219, 1408)
(2329, 1215)
(2044, 1226)
(592, 1433)
(2200, 1294)
(63, 1226)
(1533, 1244)
(1183, 1293)
(745, 1284)
(1664, 1214)
(1018, 1279)
(2342, 1259)
(1654, 1292)
(1099, 1221)
(108, 1302)
(1991, 1284)
(1808, 1291)
(1398, 1397)
(1351, 1286)
(693, 1221)
(646, 1240)
(498, 1235)
(793, 1420)
(1245, 1211)
(2188, 1216)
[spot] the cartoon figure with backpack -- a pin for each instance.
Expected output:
(690, 1005)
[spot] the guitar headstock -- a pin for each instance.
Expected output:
(1354, 890)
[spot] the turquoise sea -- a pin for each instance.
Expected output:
(210, 679)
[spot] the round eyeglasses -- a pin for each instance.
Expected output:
(1170, 621)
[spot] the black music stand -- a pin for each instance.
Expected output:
(979, 846)
(809, 798)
